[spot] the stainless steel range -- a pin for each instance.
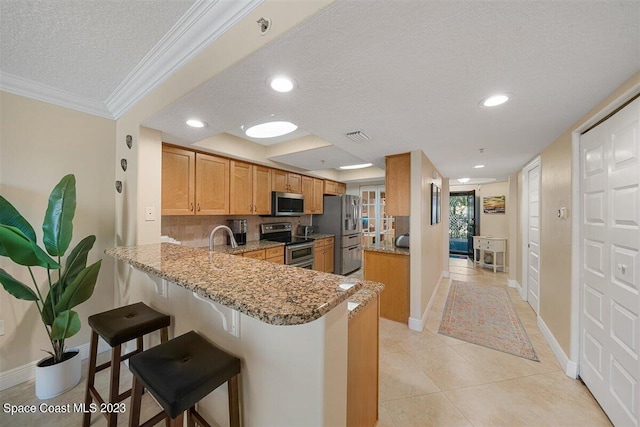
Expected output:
(298, 251)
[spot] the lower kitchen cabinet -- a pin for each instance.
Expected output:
(362, 367)
(323, 254)
(272, 254)
(393, 271)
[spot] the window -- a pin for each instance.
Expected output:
(377, 226)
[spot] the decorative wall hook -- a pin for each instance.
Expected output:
(129, 141)
(119, 186)
(123, 164)
(265, 25)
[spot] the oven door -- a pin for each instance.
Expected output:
(295, 254)
(308, 264)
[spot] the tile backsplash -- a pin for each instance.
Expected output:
(194, 230)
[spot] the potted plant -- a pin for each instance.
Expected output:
(65, 288)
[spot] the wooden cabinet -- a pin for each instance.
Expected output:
(398, 185)
(323, 252)
(312, 189)
(362, 367)
(249, 189)
(212, 185)
(334, 188)
(178, 181)
(194, 183)
(286, 182)
(393, 271)
(275, 255)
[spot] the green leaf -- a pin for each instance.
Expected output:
(22, 250)
(66, 325)
(77, 260)
(80, 289)
(16, 288)
(10, 216)
(47, 310)
(58, 220)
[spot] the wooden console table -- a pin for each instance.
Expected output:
(495, 245)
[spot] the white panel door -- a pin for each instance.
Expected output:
(610, 264)
(533, 236)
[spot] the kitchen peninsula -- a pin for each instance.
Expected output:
(288, 325)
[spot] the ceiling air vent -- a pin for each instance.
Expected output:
(358, 136)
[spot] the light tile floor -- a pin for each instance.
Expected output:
(428, 379)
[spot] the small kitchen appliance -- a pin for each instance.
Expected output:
(239, 229)
(402, 241)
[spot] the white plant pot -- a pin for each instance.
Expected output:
(53, 380)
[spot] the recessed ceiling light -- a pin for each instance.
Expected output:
(495, 100)
(478, 166)
(463, 180)
(196, 123)
(270, 129)
(281, 84)
(361, 166)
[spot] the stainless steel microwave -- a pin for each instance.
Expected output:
(287, 204)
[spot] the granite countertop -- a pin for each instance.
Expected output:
(315, 236)
(364, 296)
(391, 249)
(272, 293)
(254, 245)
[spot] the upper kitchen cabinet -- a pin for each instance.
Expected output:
(398, 184)
(178, 181)
(194, 183)
(212, 185)
(286, 182)
(250, 189)
(312, 189)
(334, 188)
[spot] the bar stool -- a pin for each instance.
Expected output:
(116, 327)
(179, 373)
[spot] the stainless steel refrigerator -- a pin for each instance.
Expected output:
(342, 217)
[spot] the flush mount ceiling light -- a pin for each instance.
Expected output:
(478, 166)
(463, 180)
(361, 166)
(270, 129)
(282, 84)
(196, 123)
(495, 100)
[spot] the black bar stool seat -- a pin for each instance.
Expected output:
(116, 327)
(179, 373)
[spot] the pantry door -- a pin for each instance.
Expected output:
(531, 252)
(610, 264)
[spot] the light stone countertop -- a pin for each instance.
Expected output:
(390, 249)
(315, 236)
(369, 291)
(272, 293)
(253, 245)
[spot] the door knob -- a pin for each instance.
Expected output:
(622, 268)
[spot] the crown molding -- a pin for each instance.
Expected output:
(41, 92)
(203, 23)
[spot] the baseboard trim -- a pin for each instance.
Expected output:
(27, 372)
(446, 274)
(569, 367)
(418, 324)
(514, 284)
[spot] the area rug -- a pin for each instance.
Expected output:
(484, 315)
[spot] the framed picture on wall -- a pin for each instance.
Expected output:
(494, 204)
(435, 204)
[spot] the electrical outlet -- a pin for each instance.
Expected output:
(1, 327)
(150, 213)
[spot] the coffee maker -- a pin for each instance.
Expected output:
(239, 229)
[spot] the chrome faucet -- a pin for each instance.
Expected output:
(234, 244)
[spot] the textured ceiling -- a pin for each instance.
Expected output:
(410, 74)
(86, 48)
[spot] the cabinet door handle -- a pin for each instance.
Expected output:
(198, 207)
(191, 206)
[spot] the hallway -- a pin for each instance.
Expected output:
(428, 379)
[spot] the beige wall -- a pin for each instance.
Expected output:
(40, 143)
(555, 234)
(426, 240)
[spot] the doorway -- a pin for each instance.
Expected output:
(462, 222)
(531, 234)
